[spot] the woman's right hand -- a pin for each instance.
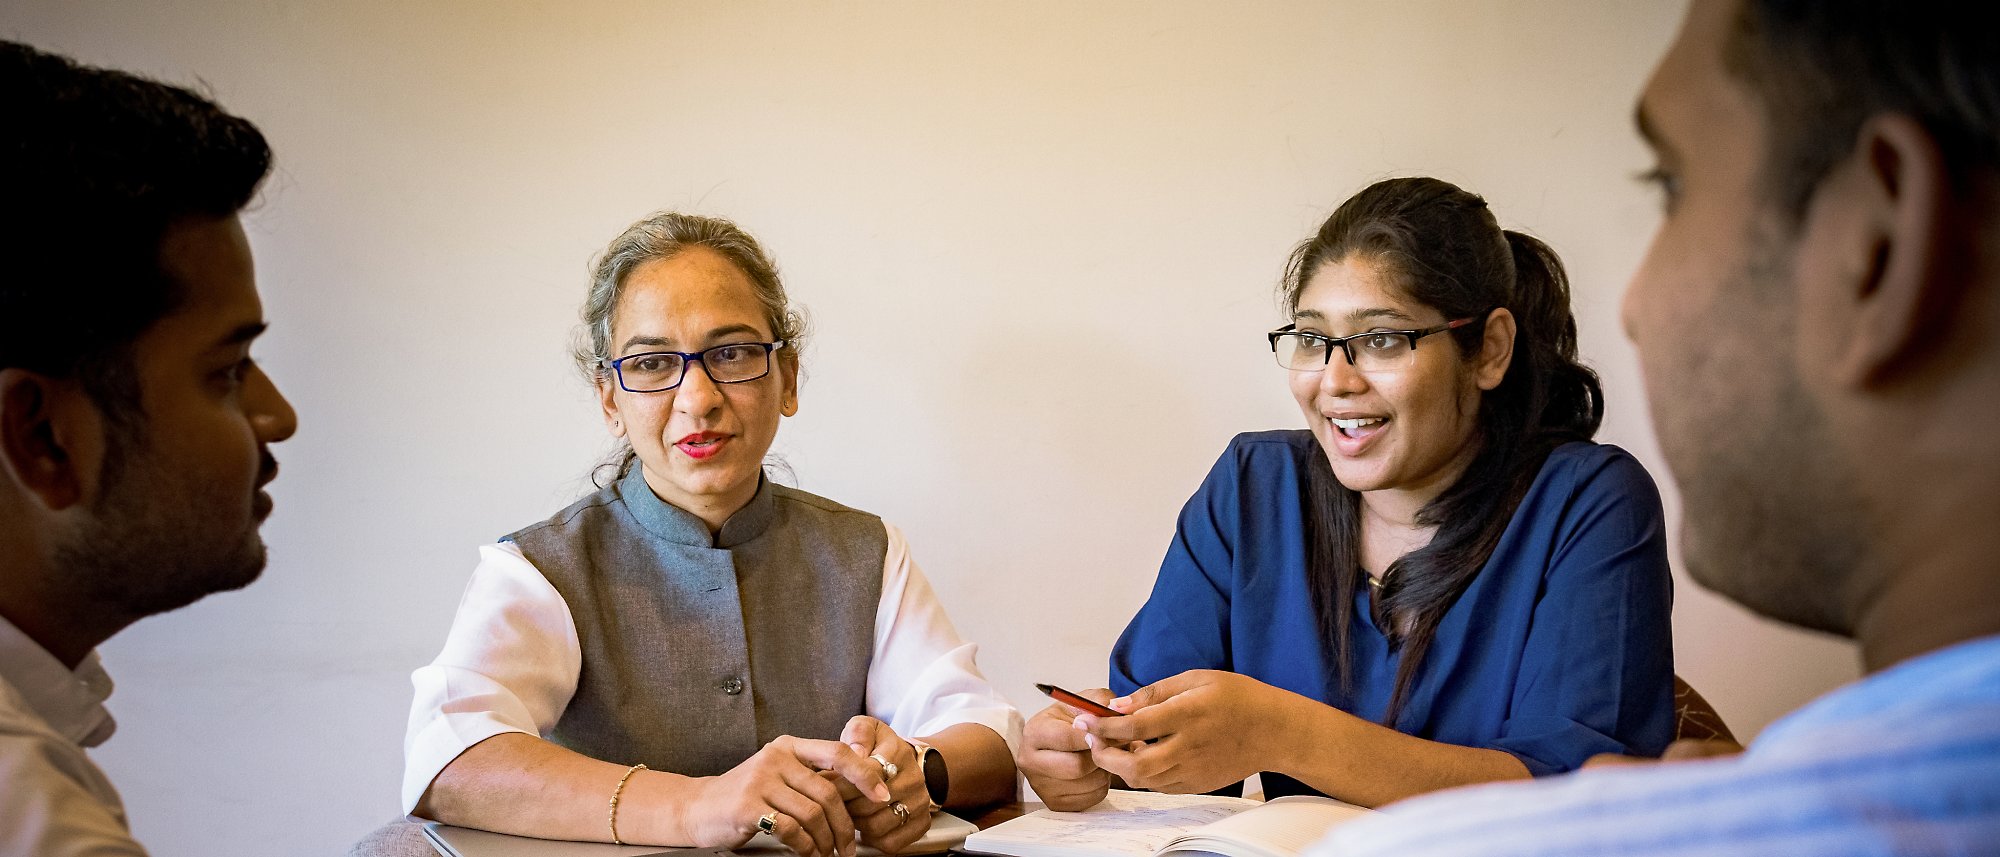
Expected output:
(784, 778)
(1057, 761)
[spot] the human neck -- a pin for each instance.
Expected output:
(1394, 509)
(1389, 525)
(1936, 566)
(1932, 574)
(64, 634)
(1930, 602)
(42, 598)
(1397, 508)
(714, 510)
(1936, 547)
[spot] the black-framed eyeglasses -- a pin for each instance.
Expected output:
(660, 371)
(1370, 351)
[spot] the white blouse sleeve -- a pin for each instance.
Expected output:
(924, 678)
(510, 664)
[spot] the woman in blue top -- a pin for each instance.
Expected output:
(1440, 582)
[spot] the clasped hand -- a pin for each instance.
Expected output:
(820, 794)
(1195, 732)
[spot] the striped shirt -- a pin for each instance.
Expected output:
(1905, 762)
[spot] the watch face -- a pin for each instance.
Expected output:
(937, 780)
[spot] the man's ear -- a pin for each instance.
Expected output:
(45, 434)
(1895, 279)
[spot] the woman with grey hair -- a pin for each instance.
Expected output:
(692, 654)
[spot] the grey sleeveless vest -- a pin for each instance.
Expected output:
(698, 651)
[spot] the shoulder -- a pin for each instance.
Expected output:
(1908, 773)
(830, 522)
(1595, 497)
(794, 501)
(1637, 810)
(51, 794)
(1275, 444)
(586, 506)
(1589, 463)
(1587, 812)
(1587, 467)
(1262, 455)
(1586, 473)
(1255, 462)
(17, 718)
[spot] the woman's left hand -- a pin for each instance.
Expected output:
(879, 824)
(1194, 732)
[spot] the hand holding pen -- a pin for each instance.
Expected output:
(1055, 755)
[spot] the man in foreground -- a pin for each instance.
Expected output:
(134, 427)
(1819, 325)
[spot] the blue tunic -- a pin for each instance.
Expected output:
(1559, 650)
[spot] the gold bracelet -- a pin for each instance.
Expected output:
(614, 801)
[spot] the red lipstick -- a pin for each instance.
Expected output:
(700, 445)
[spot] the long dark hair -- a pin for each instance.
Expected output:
(1441, 246)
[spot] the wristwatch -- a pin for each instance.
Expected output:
(937, 778)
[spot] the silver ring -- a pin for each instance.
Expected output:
(889, 769)
(768, 822)
(902, 812)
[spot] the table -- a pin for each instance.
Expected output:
(404, 837)
(984, 817)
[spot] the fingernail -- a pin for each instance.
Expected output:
(882, 792)
(1121, 702)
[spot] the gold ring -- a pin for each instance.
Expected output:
(889, 769)
(768, 822)
(902, 812)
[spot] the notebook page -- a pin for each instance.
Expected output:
(1280, 828)
(946, 832)
(1125, 824)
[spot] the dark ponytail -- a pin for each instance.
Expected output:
(1443, 248)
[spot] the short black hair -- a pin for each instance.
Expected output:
(96, 166)
(1822, 67)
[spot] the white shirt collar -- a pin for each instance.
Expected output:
(71, 701)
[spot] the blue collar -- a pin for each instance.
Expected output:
(674, 524)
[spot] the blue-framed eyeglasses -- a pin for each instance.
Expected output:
(660, 371)
(1372, 351)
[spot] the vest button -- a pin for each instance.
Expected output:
(733, 686)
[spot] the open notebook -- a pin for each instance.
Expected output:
(946, 832)
(1143, 824)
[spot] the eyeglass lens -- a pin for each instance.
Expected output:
(1368, 352)
(725, 364)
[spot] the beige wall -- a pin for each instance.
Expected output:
(1039, 241)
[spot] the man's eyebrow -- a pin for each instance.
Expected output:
(242, 334)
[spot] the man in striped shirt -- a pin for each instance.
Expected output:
(1819, 325)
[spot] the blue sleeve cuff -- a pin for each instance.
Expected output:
(1554, 745)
